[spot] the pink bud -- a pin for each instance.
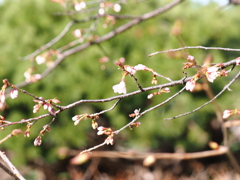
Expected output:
(38, 141)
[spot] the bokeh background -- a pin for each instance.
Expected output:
(27, 25)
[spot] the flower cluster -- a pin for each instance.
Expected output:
(136, 124)
(29, 77)
(191, 62)
(47, 57)
(80, 5)
(46, 104)
(227, 113)
(78, 118)
(104, 6)
(13, 93)
(121, 87)
(136, 113)
(211, 73)
(107, 131)
(164, 90)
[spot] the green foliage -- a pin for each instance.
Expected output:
(81, 77)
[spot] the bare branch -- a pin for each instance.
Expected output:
(49, 44)
(138, 155)
(12, 170)
(194, 47)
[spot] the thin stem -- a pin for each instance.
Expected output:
(215, 97)
(52, 42)
(150, 109)
(194, 47)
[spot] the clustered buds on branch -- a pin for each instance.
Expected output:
(46, 104)
(211, 72)
(107, 131)
(228, 113)
(78, 118)
(13, 93)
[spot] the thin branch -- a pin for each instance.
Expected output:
(136, 81)
(194, 47)
(215, 97)
(104, 111)
(53, 41)
(232, 123)
(12, 170)
(95, 147)
(180, 156)
(150, 109)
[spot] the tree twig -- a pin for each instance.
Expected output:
(194, 47)
(215, 97)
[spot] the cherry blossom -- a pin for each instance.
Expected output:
(238, 61)
(190, 85)
(140, 67)
(130, 69)
(77, 33)
(212, 73)
(2, 96)
(40, 59)
(101, 130)
(38, 141)
(77, 119)
(79, 6)
(116, 7)
(109, 140)
(101, 11)
(150, 96)
(14, 93)
(227, 114)
(120, 88)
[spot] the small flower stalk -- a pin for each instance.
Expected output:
(27, 132)
(94, 124)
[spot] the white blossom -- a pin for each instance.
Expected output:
(190, 85)
(120, 88)
(116, 7)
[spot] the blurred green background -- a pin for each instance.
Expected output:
(27, 25)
